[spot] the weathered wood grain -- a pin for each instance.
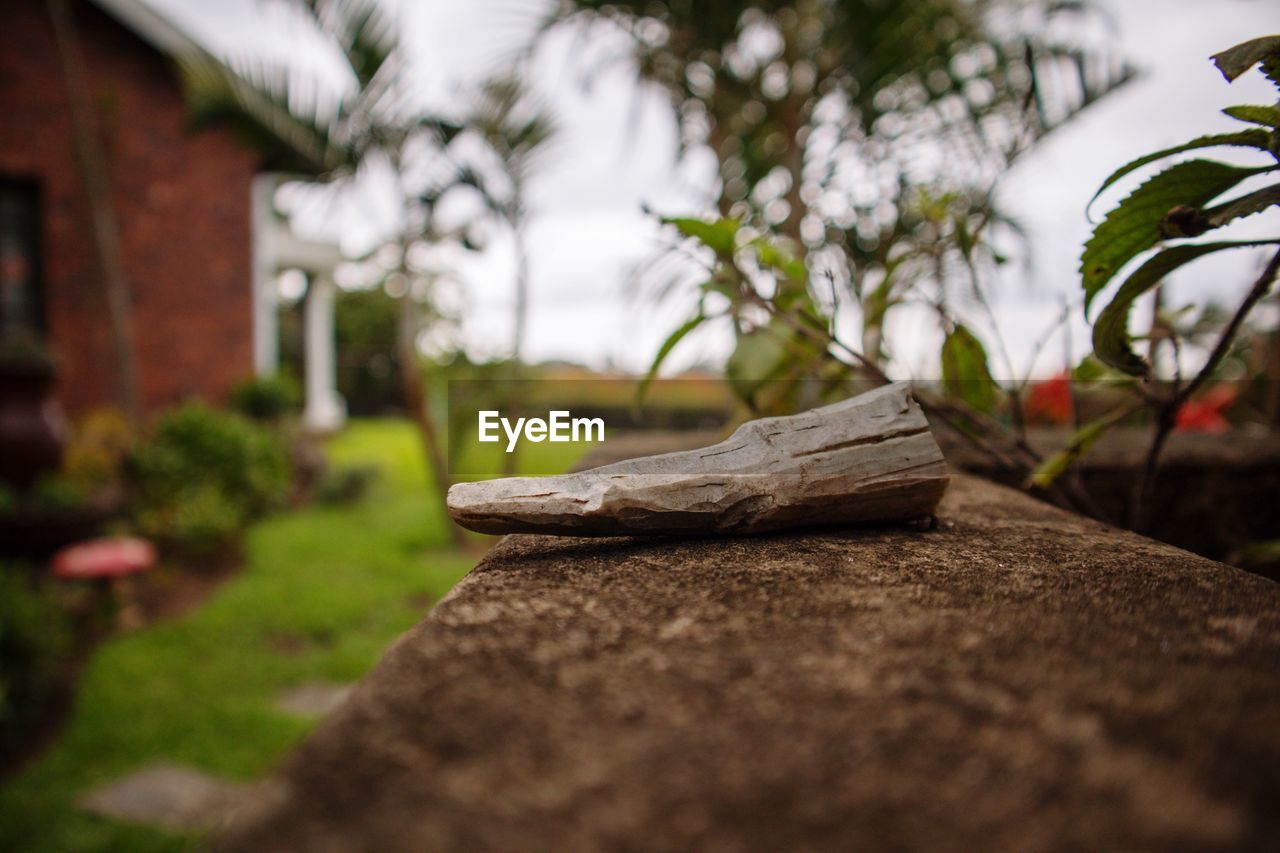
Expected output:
(869, 458)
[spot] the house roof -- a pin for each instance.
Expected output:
(152, 27)
(279, 151)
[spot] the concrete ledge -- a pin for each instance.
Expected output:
(1019, 678)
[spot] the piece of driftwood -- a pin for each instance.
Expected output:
(869, 458)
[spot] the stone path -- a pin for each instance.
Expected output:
(183, 799)
(168, 796)
(312, 699)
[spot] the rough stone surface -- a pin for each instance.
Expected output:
(868, 458)
(312, 698)
(1018, 679)
(167, 796)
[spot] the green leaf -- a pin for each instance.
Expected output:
(1111, 341)
(1079, 443)
(879, 301)
(1269, 116)
(719, 235)
(964, 238)
(1258, 554)
(1134, 225)
(1247, 205)
(1090, 369)
(1237, 60)
(965, 372)
(1252, 138)
(780, 259)
(665, 350)
(760, 355)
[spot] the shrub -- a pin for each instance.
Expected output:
(49, 495)
(203, 525)
(35, 640)
(53, 494)
(195, 445)
(268, 398)
(95, 454)
(346, 485)
(202, 475)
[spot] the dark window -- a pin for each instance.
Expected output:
(21, 312)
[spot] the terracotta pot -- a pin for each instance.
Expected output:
(32, 426)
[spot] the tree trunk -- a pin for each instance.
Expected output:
(522, 293)
(97, 186)
(415, 398)
(521, 321)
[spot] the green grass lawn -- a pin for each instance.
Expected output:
(323, 592)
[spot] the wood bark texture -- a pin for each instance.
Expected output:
(869, 458)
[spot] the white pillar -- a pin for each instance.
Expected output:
(325, 409)
(266, 332)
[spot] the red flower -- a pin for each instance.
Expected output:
(1206, 413)
(1050, 401)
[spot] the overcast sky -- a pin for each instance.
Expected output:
(616, 153)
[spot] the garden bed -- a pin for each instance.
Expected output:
(1215, 494)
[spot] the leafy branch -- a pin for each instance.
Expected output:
(781, 336)
(1160, 218)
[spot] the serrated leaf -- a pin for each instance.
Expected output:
(719, 235)
(1134, 225)
(1255, 114)
(1235, 61)
(1252, 138)
(1247, 205)
(1111, 341)
(1271, 69)
(665, 350)
(965, 372)
(1078, 445)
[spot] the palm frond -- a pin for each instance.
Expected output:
(515, 124)
(291, 128)
(362, 30)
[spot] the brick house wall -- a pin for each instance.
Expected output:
(182, 200)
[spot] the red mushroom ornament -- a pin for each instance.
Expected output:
(113, 562)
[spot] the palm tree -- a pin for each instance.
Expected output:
(820, 111)
(517, 130)
(374, 125)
